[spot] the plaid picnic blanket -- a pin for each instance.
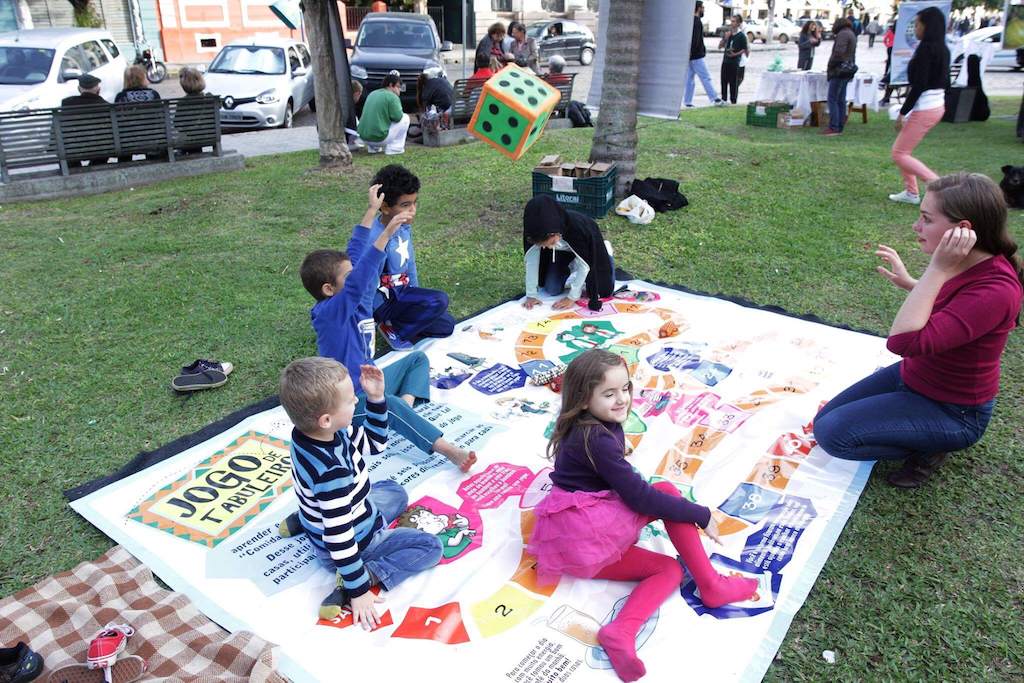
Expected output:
(59, 615)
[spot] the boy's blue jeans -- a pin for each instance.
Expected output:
(408, 375)
(880, 418)
(393, 555)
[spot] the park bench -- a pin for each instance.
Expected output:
(466, 94)
(67, 136)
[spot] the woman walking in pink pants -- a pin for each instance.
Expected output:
(928, 73)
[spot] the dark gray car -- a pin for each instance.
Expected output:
(396, 40)
(565, 38)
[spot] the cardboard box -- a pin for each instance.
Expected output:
(582, 170)
(550, 165)
(568, 170)
(788, 121)
(599, 168)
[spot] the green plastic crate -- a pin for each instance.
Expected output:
(591, 196)
(765, 114)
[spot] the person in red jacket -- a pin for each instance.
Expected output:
(951, 331)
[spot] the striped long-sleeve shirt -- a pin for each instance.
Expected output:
(332, 483)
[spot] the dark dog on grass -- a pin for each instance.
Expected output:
(1012, 185)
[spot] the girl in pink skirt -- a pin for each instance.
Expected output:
(589, 523)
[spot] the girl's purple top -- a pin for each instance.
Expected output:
(574, 472)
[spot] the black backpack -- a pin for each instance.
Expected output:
(661, 193)
(578, 113)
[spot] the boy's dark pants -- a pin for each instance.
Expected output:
(416, 312)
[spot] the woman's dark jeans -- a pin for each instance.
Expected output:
(880, 418)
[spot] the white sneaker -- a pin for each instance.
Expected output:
(392, 152)
(720, 103)
(905, 198)
(374, 149)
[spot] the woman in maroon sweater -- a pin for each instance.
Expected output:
(950, 331)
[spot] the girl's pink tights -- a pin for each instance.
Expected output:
(659, 576)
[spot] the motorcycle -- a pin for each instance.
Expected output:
(156, 71)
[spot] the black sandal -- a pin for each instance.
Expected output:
(916, 470)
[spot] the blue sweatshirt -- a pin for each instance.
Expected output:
(344, 323)
(399, 269)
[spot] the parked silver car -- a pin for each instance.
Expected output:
(261, 82)
(40, 67)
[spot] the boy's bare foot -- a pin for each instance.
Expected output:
(463, 459)
(459, 457)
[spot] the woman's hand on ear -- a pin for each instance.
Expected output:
(953, 248)
(898, 275)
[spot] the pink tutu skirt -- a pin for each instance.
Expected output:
(581, 533)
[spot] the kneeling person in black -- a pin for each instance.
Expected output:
(565, 248)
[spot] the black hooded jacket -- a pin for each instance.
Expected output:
(929, 67)
(543, 216)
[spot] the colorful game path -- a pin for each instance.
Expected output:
(723, 402)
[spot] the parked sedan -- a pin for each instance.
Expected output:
(783, 30)
(39, 68)
(566, 38)
(261, 82)
(1001, 58)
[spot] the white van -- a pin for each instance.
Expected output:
(40, 67)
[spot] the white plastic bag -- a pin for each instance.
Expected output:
(636, 210)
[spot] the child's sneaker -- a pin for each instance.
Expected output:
(202, 374)
(396, 342)
(291, 526)
(207, 379)
(19, 664)
(331, 606)
(202, 364)
(126, 670)
(107, 645)
(906, 198)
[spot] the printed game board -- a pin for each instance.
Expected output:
(724, 396)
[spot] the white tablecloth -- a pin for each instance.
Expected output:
(800, 88)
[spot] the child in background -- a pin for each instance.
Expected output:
(344, 515)
(343, 286)
(483, 67)
(405, 311)
(565, 248)
(589, 523)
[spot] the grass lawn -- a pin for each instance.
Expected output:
(102, 298)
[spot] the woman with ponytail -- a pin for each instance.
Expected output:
(950, 331)
(925, 104)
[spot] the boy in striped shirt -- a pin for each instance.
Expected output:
(345, 515)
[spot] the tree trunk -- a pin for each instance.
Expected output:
(85, 14)
(330, 117)
(615, 131)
